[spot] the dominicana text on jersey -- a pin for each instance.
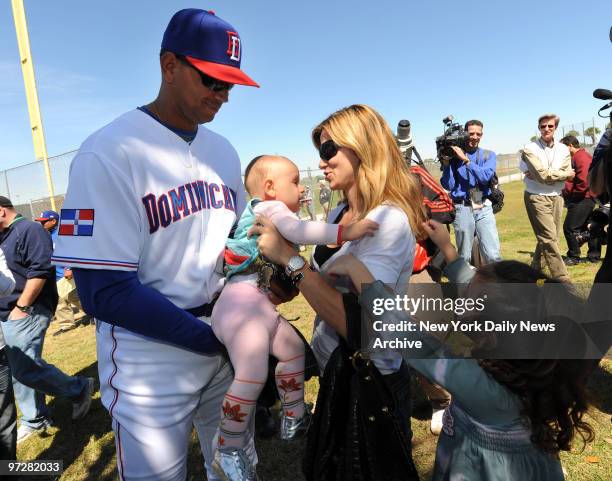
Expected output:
(173, 206)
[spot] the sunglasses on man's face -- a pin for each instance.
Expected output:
(328, 150)
(544, 126)
(208, 82)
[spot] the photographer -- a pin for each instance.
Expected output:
(467, 175)
(599, 182)
(580, 203)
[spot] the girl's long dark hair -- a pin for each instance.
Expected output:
(553, 392)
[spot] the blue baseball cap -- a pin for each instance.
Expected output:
(210, 44)
(47, 215)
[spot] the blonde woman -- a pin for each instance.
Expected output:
(360, 158)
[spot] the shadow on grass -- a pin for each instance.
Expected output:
(87, 446)
(73, 438)
(600, 387)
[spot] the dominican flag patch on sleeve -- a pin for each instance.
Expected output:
(76, 222)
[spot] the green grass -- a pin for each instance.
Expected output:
(88, 451)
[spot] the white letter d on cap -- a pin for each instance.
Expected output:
(233, 47)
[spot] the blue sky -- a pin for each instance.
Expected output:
(504, 63)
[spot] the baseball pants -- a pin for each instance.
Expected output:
(155, 393)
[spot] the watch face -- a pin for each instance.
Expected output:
(296, 263)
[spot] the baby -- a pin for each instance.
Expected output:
(247, 323)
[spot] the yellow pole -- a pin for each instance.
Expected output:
(27, 67)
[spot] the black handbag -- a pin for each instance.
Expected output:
(357, 433)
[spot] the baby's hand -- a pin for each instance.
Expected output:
(362, 228)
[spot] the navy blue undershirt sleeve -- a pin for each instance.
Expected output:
(118, 298)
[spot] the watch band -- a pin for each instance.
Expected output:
(26, 309)
(297, 278)
(299, 275)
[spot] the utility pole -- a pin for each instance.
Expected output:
(27, 68)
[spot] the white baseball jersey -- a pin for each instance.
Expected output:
(142, 199)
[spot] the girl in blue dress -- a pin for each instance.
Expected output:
(508, 419)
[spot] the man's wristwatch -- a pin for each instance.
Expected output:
(26, 309)
(295, 264)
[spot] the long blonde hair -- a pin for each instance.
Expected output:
(383, 175)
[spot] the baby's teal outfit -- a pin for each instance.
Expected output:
(240, 246)
(484, 437)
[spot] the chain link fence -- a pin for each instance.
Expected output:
(587, 132)
(26, 185)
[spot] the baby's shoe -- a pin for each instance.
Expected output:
(233, 464)
(293, 427)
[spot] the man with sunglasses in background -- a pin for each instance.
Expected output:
(546, 165)
(151, 200)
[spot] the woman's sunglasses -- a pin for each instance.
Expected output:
(328, 150)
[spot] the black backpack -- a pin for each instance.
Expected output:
(497, 195)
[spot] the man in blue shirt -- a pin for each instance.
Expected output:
(25, 315)
(468, 177)
(69, 313)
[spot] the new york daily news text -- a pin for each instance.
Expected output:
(503, 321)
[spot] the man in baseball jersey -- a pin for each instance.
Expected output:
(151, 200)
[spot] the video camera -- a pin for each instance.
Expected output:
(454, 135)
(596, 226)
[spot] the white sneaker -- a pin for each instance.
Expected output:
(81, 407)
(436, 422)
(24, 432)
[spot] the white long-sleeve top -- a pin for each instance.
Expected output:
(295, 230)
